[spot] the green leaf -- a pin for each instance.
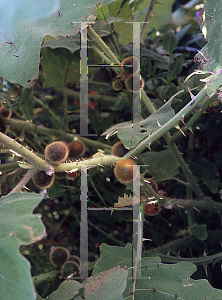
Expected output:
(162, 165)
(72, 43)
(213, 82)
(17, 11)
(18, 226)
(111, 284)
(19, 60)
(170, 42)
(102, 12)
(156, 280)
(121, 256)
(210, 54)
(199, 231)
(66, 291)
(162, 281)
(55, 65)
(206, 170)
(162, 13)
(131, 136)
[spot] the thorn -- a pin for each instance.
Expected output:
(148, 146)
(197, 210)
(191, 130)
(191, 95)
(182, 120)
(159, 125)
(178, 127)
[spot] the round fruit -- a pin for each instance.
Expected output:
(152, 209)
(70, 269)
(128, 61)
(76, 149)
(118, 149)
(75, 258)
(42, 180)
(58, 256)
(117, 85)
(126, 170)
(129, 84)
(56, 152)
(5, 113)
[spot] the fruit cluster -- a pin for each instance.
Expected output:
(125, 78)
(68, 264)
(56, 153)
(5, 113)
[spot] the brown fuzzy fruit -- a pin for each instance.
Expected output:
(76, 149)
(118, 149)
(5, 113)
(58, 256)
(126, 170)
(57, 152)
(70, 269)
(127, 64)
(42, 180)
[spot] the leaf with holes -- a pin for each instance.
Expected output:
(132, 134)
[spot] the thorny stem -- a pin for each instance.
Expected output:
(170, 124)
(103, 45)
(36, 161)
(106, 160)
(28, 126)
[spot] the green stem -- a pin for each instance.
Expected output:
(36, 161)
(173, 122)
(147, 18)
(45, 278)
(193, 184)
(47, 108)
(103, 46)
(205, 260)
(98, 193)
(118, 242)
(193, 120)
(106, 160)
(28, 126)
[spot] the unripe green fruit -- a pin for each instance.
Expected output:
(56, 152)
(126, 170)
(118, 149)
(76, 149)
(42, 180)
(58, 256)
